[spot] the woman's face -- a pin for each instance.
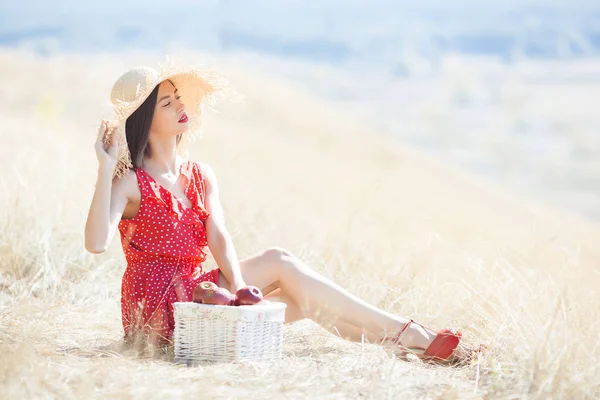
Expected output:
(168, 112)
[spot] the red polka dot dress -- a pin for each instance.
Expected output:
(164, 245)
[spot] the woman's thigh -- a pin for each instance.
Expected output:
(261, 270)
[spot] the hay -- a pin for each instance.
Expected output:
(389, 224)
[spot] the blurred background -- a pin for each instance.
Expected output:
(506, 89)
(358, 115)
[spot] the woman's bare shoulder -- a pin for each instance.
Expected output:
(209, 176)
(127, 185)
(205, 170)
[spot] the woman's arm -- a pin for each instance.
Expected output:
(219, 240)
(106, 210)
(110, 199)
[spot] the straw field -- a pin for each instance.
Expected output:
(394, 226)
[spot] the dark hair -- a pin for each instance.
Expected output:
(137, 129)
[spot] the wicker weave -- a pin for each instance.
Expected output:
(206, 332)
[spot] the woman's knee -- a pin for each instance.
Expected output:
(277, 254)
(266, 267)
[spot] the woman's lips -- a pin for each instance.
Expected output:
(183, 119)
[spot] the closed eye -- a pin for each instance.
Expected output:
(178, 97)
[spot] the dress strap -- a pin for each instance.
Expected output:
(199, 184)
(196, 189)
(143, 182)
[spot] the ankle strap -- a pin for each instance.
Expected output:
(398, 337)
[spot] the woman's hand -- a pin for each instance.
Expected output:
(107, 146)
(235, 286)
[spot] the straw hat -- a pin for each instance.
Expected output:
(196, 86)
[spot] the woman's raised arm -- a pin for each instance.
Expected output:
(110, 199)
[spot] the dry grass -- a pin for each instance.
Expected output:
(391, 225)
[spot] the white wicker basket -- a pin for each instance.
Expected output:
(206, 332)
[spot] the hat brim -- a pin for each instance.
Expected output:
(197, 87)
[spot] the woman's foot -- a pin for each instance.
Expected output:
(414, 336)
(441, 347)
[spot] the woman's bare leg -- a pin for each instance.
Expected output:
(339, 328)
(320, 299)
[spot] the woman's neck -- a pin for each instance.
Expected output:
(163, 158)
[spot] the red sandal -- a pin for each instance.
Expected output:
(439, 350)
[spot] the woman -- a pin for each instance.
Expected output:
(168, 214)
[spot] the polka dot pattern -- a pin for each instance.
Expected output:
(165, 245)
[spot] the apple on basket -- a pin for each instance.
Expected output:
(248, 296)
(202, 288)
(219, 296)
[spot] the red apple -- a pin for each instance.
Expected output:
(248, 296)
(201, 288)
(219, 296)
